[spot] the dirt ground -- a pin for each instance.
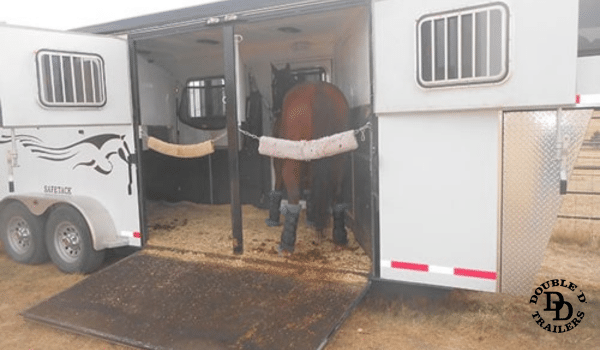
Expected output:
(459, 320)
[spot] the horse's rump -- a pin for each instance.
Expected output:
(312, 110)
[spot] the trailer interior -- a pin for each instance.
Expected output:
(182, 95)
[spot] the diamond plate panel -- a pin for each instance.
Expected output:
(531, 188)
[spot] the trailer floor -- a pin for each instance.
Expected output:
(152, 301)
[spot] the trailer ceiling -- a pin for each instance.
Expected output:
(259, 38)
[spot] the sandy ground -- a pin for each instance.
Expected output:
(459, 320)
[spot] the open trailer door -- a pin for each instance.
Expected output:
(444, 72)
(67, 118)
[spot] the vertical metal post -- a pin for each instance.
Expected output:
(210, 179)
(562, 152)
(459, 45)
(137, 121)
(229, 56)
(374, 164)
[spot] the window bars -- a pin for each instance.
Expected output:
(68, 79)
(206, 97)
(466, 46)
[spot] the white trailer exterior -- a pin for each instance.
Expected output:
(68, 148)
(453, 156)
(473, 106)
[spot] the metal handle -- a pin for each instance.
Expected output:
(562, 152)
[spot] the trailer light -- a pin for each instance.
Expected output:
(137, 234)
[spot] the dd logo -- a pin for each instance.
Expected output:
(558, 313)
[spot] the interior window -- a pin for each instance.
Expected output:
(203, 103)
(206, 97)
(309, 74)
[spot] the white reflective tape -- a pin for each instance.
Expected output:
(127, 234)
(131, 239)
(441, 269)
(386, 263)
(589, 100)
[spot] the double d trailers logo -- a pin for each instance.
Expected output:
(559, 315)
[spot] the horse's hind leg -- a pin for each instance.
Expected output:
(275, 196)
(340, 235)
(308, 195)
(291, 177)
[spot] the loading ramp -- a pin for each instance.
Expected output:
(151, 300)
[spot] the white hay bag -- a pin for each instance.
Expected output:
(308, 149)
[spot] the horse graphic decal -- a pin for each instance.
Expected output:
(96, 152)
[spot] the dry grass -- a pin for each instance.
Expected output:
(584, 233)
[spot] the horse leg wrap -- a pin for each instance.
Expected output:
(274, 204)
(340, 235)
(288, 236)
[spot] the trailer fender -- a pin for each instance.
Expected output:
(102, 228)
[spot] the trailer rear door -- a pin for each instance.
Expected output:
(444, 71)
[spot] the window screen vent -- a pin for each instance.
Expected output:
(70, 79)
(461, 47)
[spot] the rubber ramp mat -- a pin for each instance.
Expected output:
(154, 302)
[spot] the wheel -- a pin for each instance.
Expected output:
(22, 234)
(69, 241)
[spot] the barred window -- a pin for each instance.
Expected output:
(68, 79)
(309, 74)
(466, 46)
(206, 97)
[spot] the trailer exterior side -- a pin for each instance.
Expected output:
(449, 95)
(68, 137)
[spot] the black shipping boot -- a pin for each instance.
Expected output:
(340, 235)
(274, 204)
(288, 236)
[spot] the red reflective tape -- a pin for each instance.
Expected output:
(137, 235)
(409, 266)
(578, 99)
(488, 275)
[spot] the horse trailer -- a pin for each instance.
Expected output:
(468, 114)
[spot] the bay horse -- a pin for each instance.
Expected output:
(311, 110)
(282, 81)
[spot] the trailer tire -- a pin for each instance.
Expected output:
(22, 234)
(70, 243)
